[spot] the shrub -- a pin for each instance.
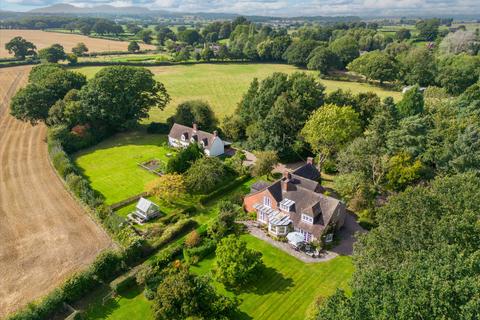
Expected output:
(224, 189)
(107, 265)
(207, 247)
(205, 174)
(193, 239)
(172, 231)
(78, 285)
(158, 127)
(182, 161)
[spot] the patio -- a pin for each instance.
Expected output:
(286, 247)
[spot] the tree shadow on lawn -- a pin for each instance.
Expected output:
(99, 311)
(240, 315)
(268, 280)
(137, 137)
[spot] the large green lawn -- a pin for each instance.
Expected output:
(112, 165)
(283, 291)
(288, 286)
(223, 85)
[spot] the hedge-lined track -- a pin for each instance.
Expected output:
(45, 235)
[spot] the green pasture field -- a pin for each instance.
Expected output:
(223, 85)
(112, 165)
(285, 289)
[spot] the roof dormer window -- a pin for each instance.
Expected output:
(307, 218)
(286, 205)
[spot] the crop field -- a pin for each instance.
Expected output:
(286, 287)
(45, 234)
(223, 85)
(44, 39)
(112, 165)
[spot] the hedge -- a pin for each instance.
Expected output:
(17, 63)
(173, 231)
(226, 188)
(206, 248)
(108, 265)
(158, 127)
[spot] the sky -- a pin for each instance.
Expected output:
(280, 7)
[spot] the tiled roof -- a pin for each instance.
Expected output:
(305, 193)
(178, 130)
(308, 171)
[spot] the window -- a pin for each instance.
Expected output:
(307, 218)
(307, 236)
(286, 205)
(329, 238)
(266, 202)
(263, 216)
(183, 137)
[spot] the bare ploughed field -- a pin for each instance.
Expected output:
(45, 235)
(44, 39)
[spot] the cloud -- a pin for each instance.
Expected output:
(284, 7)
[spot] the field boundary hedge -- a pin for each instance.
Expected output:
(17, 63)
(165, 63)
(128, 201)
(224, 189)
(108, 265)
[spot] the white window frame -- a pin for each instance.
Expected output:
(284, 207)
(329, 238)
(182, 137)
(263, 216)
(267, 201)
(307, 218)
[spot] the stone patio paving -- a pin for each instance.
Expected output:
(345, 247)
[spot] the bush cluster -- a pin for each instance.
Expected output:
(107, 266)
(224, 189)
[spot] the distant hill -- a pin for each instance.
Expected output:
(103, 9)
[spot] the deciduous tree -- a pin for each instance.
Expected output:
(235, 264)
(169, 187)
(330, 128)
(20, 48)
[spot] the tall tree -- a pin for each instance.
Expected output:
(119, 96)
(346, 48)
(20, 48)
(182, 295)
(195, 111)
(80, 49)
(235, 264)
(418, 66)
(329, 128)
(428, 29)
(412, 103)
(47, 85)
(52, 54)
(375, 65)
(421, 260)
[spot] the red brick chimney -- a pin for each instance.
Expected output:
(286, 180)
(194, 126)
(310, 160)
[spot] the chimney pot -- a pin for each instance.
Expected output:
(215, 133)
(287, 175)
(310, 160)
(194, 127)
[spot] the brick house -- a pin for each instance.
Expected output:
(296, 203)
